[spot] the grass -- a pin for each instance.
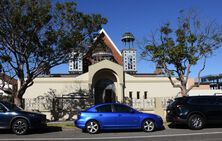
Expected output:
(62, 125)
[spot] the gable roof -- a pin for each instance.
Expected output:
(104, 37)
(107, 40)
(103, 31)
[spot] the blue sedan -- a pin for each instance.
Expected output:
(111, 116)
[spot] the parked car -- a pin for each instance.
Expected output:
(116, 116)
(19, 121)
(195, 111)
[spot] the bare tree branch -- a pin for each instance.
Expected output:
(199, 78)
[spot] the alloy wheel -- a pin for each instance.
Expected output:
(92, 127)
(196, 122)
(20, 127)
(148, 125)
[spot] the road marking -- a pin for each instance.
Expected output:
(109, 138)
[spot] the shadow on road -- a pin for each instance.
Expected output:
(178, 126)
(48, 129)
(120, 131)
(184, 126)
(127, 131)
(3, 131)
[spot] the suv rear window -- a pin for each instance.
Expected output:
(202, 101)
(219, 101)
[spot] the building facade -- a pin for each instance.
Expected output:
(108, 76)
(106, 73)
(214, 81)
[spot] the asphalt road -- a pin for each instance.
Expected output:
(169, 134)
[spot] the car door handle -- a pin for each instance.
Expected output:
(100, 114)
(120, 115)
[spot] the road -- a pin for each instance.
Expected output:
(169, 134)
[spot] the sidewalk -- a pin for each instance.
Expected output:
(61, 121)
(65, 125)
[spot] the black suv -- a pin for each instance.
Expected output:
(195, 111)
(13, 117)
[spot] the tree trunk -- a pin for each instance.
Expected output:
(183, 91)
(18, 100)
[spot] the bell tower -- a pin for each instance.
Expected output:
(129, 53)
(76, 63)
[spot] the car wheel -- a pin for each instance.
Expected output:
(148, 125)
(196, 122)
(92, 127)
(20, 126)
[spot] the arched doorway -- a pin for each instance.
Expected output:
(104, 86)
(104, 91)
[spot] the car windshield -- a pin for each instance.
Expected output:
(12, 107)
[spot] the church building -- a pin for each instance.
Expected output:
(109, 75)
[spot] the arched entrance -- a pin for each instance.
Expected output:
(104, 91)
(104, 86)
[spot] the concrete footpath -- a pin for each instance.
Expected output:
(63, 125)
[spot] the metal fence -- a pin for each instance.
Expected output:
(150, 103)
(36, 104)
(58, 107)
(144, 104)
(76, 104)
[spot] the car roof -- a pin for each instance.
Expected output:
(95, 106)
(199, 96)
(108, 104)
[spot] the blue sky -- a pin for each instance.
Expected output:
(141, 17)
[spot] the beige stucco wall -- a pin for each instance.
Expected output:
(62, 85)
(191, 81)
(205, 92)
(155, 86)
(68, 84)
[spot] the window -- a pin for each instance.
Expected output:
(219, 101)
(76, 64)
(145, 95)
(130, 62)
(138, 95)
(104, 108)
(2, 108)
(11, 106)
(202, 101)
(122, 109)
(130, 95)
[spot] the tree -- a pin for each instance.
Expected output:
(36, 35)
(176, 50)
